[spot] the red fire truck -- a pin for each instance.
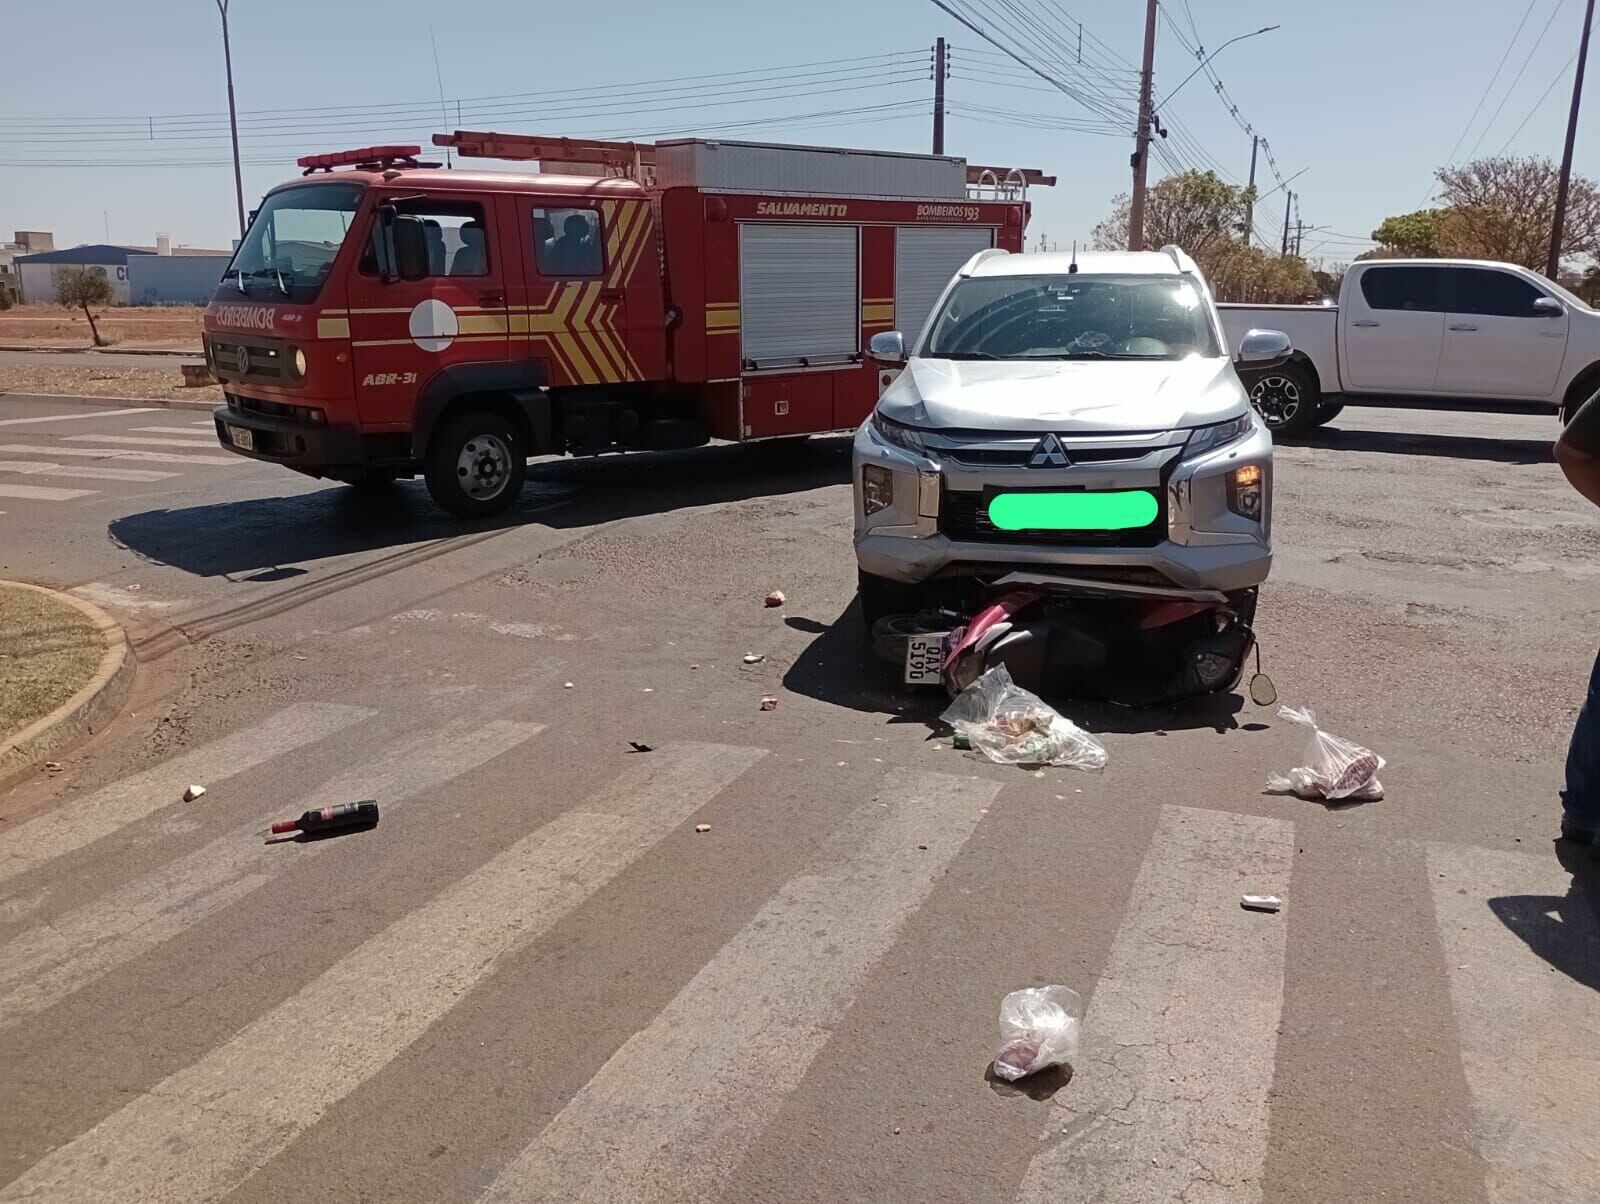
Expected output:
(384, 317)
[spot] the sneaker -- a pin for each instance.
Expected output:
(1574, 834)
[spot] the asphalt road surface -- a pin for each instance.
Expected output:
(535, 980)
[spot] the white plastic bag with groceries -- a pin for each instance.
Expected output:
(1335, 768)
(1016, 727)
(1038, 1028)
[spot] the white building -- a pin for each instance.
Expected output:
(188, 277)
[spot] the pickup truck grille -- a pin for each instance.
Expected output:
(1018, 457)
(963, 515)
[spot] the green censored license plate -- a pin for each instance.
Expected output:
(1123, 510)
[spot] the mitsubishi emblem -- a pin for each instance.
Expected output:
(1049, 454)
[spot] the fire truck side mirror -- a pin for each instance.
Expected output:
(410, 247)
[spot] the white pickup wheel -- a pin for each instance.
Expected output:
(1287, 399)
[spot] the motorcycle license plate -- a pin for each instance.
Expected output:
(925, 658)
(243, 437)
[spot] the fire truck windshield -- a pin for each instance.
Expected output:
(290, 247)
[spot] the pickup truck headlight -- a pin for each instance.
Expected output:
(1205, 439)
(898, 433)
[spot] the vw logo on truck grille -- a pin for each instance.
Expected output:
(1049, 454)
(241, 359)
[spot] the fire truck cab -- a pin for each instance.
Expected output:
(384, 317)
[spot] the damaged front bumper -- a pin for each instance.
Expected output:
(922, 513)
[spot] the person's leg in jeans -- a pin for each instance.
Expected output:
(1581, 799)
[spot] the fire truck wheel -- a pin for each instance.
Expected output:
(476, 464)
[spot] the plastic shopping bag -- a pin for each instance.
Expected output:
(1016, 727)
(1038, 1028)
(1335, 768)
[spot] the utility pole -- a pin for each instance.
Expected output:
(1553, 266)
(1288, 200)
(233, 116)
(940, 70)
(1299, 236)
(1141, 137)
(1250, 192)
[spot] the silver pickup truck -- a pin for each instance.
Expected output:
(1454, 329)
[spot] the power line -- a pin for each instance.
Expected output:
(1537, 42)
(1493, 79)
(1539, 104)
(706, 80)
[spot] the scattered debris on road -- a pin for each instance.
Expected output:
(1038, 1029)
(639, 748)
(1261, 903)
(775, 598)
(753, 658)
(702, 828)
(566, 685)
(1335, 768)
(52, 766)
(326, 821)
(769, 702)
(193, 793)
(1016, 727)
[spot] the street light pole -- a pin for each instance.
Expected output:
(1553, 265)
(1147, 110)
(233, 116)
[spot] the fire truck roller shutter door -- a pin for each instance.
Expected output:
(800, 297)
(924, 260)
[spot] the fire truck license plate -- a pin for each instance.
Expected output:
(243, 437)
(925, 658)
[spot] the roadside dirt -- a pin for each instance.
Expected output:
(161, 380)
(47, 652)
(144, 326)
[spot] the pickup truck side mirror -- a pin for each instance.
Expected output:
(1547, 307)
(1259, 346)
(887, 348)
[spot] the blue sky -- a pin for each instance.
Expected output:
(1367, 95)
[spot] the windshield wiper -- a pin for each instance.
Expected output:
(965, 355)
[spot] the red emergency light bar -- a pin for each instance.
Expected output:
(366, 156)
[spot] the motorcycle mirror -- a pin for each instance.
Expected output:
(1262, 692)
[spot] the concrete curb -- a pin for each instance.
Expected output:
(164, 403)
(98, 700)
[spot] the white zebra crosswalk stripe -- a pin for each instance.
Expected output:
(172, 430)
(48, 963)
(45, 468)
(1169, 1091)
(1528, 1025)
(42, 493)
(249, 1098)
(117, 453)
(57, 833)
(669, 1116)
(144, 440)
(78, 417)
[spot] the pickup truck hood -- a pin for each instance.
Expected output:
(1064, 395)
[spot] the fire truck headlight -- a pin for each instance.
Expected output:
(299, 362)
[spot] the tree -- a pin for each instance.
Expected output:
(1193, 210)
(1204, 215)
(1413, 235)
(84, 287)
(1504, 207)
(1589, 287)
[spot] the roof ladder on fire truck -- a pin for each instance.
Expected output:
(628, 160)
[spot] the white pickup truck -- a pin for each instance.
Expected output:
(1425, 328)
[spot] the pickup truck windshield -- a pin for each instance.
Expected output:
(289, 249)
(1072, 317)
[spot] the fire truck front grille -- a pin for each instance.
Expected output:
(235, 358)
